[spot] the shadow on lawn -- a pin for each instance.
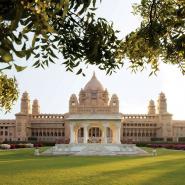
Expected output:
(169, 172)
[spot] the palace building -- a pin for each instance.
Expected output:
(93, 117)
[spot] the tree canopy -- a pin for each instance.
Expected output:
(42, 29)
(160, 37)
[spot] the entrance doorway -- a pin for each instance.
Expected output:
(95, 135)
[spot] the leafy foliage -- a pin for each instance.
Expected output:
(160, 36)
(68, 27)
(43, 29)
(8, 92)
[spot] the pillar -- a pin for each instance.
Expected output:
(105, 135)
(118, 135)
(72, 134)
(85, 134)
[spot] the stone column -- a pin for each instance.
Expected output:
(105, 135)
(72, 139)
(85, 134)
(118, 135)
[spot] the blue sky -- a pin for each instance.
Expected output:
(53, 86)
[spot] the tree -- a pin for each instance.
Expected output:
(161, 35)
(8, 92)
(64, 26)
(71, 28)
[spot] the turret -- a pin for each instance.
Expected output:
(35, 107)
(162, 105)
(73, 103)
(165, 119)
(114, 104)
(151, 107)
(25, 103)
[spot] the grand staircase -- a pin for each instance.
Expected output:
(95, 149)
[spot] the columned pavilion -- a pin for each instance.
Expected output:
(95, 128)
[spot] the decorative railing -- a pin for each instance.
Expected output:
(7, 122)
(48, 116)
(138, 116)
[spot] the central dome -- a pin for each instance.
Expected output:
(94, 84)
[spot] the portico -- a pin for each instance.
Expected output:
(95, 128)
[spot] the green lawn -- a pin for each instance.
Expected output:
(22, 168)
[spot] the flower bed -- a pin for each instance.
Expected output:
(15, 146)
(168, 146)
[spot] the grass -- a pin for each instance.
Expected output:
(21, 167)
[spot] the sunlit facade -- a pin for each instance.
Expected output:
(93, 117)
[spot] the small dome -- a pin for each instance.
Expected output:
(94, 84)
(35, 102)
(162, 94)
(25, 95)
(114, 96)
(151, 102)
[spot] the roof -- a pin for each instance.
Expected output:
(94, 84)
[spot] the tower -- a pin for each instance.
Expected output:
(35, 107)
(73, 104)
(114, 104)
(22, 119)
(165, 119)
(162, 105)
(151, 107)
(25, 103)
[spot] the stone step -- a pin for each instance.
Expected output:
(95, 149)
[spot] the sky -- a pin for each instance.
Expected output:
(53, 86)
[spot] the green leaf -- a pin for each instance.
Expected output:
(19, 68)
(79, 71)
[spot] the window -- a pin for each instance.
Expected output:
(94, 95)
(73, 103)
(114, 103)
(6, 133)
(1, 133)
